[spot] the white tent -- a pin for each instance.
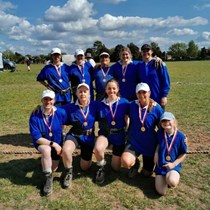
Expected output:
(68, 59)
(1, 62)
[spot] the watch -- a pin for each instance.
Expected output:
(51, 143)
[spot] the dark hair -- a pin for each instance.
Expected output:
(117, 83)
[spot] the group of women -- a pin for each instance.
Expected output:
(123, 107)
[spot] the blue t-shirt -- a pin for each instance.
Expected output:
(77, 120)
(56, 82)
(179, 147)
(144, 142)
(38, 127)
(157, 79)
(128, 82)
(105, 118)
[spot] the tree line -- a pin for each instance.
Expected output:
(177, 51)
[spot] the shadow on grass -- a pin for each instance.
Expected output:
(20, 139)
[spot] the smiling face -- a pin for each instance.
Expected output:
(112, 90)
(79, 59)
(125, 56)
(143, 97)
(56, 58)
(168, 125)
(83, 94)
(105, 60)
(146, 54)
(48, 102)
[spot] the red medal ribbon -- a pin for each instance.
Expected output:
(45, 121)
(124, 69)
(58, 69)
(105, 74)
(140, 115)
(110, 107)
(81, 69)
(169, 147)
(83, 113)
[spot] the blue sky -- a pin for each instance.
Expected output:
(35, 26)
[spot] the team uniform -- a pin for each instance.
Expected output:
(82, 131)
(48, 127)
(127, 78)
(58, 81)
(113, 128)
(101, 75)
(178, 147)
(142, 135)
(157, 79)
(80, 75)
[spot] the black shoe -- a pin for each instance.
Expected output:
(100, 175)
(133, 171)
(67, 178)
(48, 184)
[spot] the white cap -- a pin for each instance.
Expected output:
(104, 53)
(142, 86)
(55, 50)
(48, 93)
(79, 52)
(83, 85)
(167, 116)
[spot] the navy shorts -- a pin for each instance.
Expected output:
(86, 150)
(148, 161)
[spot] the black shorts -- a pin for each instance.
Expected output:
(148, 161)
(86, 150)
(54, 154)
(118, 150)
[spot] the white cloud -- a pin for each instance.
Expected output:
(202, 7)
(181, 32)
(6, 6)
(206, 36)
(113, 1)
(126, 35)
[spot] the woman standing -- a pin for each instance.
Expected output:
(144, 116)
(46, 131)
(54, 76)
(113, 120)
(81, 115)
(125, 71)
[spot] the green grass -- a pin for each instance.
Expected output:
(20, 174)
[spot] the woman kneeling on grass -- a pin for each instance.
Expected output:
(46, 131)
(170, 153)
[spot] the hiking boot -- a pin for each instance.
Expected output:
(67, 178)
(48, 184)
(100, 175)
(133, 171)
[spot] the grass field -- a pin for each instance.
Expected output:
(20, 173)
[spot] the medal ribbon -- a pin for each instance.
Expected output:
(81, 69)
(45, 121)
(140, 115)
(58, 69)
(124, 69)
(105, 74)
(169, 147)
(83, 113)
(110, 107)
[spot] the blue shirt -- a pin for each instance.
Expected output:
(101, 80)
(105, 119)
(83, 75)
(50, 74)
(39, 129)
(128, 87)
(179, 147)
(157, 79)
(144, 142)
(76, 119)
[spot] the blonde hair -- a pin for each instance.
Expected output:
(125, 49)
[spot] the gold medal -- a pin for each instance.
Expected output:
(113, 122)
(168, 157)
(143, 129)
(50, 134)
(85, 124)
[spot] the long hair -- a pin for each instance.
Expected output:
(125, 49)
(116, 82)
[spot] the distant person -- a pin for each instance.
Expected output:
(155, 74)
(170, 153)
(89, 58)
(80, 72)
(125, 71)
(46, 131)
(28, 63)
(102, 73)
(55, 76)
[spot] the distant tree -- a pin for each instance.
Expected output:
(203, 53)
(134, 51)
(156, 49)
(192, 50)
(115, 55)
(178, 50)
(9, 55)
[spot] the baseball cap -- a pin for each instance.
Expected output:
(79, 52)
(142, 86)
(88, 55)
(146, 46)
(167, 116)
(104, 53)
(48, 93)
(83, 85)
(55, 50)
